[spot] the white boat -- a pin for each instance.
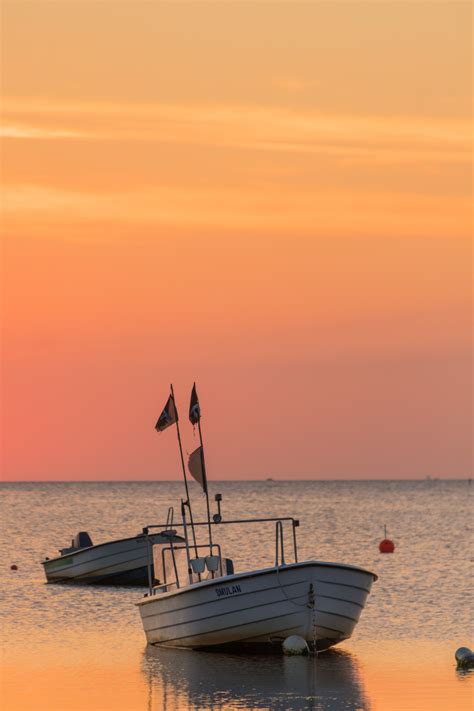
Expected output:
(199, 602)
(121, 562)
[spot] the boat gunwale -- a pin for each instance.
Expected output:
(252, 573)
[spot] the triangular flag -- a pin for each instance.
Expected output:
(194, 409)
(168, 417)
(196, 467)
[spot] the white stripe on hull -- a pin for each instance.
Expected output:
(259, 607)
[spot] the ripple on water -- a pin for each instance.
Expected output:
(423, 591)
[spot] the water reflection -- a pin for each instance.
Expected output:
(180, 679)
(464, 674)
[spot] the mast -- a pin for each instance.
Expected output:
(205, 482)
(188, 500)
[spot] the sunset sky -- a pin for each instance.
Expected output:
(270, 198)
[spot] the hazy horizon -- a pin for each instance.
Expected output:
(386, 479)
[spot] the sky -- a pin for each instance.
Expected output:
(271, 199)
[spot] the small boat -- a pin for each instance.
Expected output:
(200, 602)
(120, 562)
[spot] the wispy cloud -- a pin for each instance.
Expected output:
(331, 212)
(381, 138)
(37, 132)
(344, 174)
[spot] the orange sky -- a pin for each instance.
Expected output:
(272, 198)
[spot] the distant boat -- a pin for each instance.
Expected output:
(120, 562)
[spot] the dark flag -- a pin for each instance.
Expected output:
(194, 409)
(168, 417)
(196, 467)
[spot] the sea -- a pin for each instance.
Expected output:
(82, 648)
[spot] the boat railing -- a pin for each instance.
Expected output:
(169, 518)
(197, 566)
(279, 548)
(165, 527)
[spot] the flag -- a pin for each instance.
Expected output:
(194, 409)
(168, 417)
(196, 467)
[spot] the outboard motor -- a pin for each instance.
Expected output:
(82, 540)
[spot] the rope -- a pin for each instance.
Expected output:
(311, 604)
(313, 618)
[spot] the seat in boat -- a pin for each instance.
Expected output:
(80, 540)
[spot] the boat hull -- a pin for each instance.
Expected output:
(121, 562)
(320, 602)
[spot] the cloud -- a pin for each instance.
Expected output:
(331, 212)
(37, 132)
(222, 165)
(379, 138)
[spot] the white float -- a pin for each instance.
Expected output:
(295, 645)
(465, 658)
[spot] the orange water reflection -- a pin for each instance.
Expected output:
(414, 676)
(101, 672)
(196, 680)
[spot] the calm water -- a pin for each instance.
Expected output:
(80, 648)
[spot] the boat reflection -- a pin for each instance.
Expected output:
(183, 679)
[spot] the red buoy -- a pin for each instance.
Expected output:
(13, 567)
(386, 546)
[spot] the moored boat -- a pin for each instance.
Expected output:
(120, 562)
(318, 601)
(199, 601)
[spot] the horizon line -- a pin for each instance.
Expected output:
(220, 481)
